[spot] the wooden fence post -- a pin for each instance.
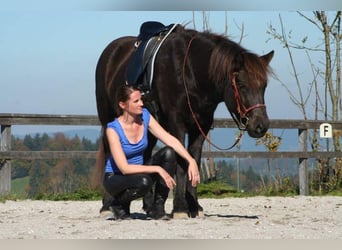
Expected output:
(303, 170)
(5, 165)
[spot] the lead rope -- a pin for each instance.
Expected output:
(237, 139)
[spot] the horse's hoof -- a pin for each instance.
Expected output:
(200, 214)
(197, 214)
(180, 215)
(107, 215)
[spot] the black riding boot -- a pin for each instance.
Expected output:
(107, 201)
(121, 205)
(120, 210)
(148, 201)
(158, 209)
(155, 207)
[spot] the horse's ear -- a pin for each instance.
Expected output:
(268, 57)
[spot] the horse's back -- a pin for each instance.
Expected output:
(109, 73)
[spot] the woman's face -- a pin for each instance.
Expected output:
(134, 104)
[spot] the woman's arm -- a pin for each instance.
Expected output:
(158, 131)
(125, 168)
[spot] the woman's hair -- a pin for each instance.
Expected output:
(122, 95)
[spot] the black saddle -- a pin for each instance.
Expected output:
(140, 67)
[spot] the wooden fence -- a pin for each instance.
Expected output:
(6, 154)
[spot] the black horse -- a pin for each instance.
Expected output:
(194, 72)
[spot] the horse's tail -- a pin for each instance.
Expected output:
(97, 175)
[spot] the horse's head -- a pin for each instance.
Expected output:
(244, 97)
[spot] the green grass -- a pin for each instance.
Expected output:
(19, 185)
(218, 189)
(332, 193)
(17, 190)
(82, 194)
(215, 189)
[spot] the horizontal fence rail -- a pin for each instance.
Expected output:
(8, 120)
(46, 155)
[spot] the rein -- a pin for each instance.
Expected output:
(241, 108)
(237, 140)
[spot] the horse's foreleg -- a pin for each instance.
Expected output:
(180, 205)
(185, 202)
(195, 209)
(195, 149)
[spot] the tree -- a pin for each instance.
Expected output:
(252, 179)
(19, 168)
(53, 176)
(326, 75)
(329, 75)
(38, 175)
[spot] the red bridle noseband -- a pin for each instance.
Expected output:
(240, 107)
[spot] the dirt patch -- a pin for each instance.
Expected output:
(300, 217)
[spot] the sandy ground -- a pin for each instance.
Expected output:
(300, 217)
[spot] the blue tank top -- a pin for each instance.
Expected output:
(134, 151)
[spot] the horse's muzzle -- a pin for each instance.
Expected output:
(257, 127)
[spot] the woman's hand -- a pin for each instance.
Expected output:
(170, 182)
(193, 173)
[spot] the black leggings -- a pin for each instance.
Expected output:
(130, 187)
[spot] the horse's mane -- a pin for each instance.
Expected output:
(228, 57)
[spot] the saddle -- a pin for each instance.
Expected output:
(141, 65)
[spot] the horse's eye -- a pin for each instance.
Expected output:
(241, 84)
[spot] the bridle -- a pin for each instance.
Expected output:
(241, 108)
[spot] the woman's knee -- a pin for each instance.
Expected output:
(168, 160)
(169, 154)
(145, 183)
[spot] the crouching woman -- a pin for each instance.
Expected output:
(127, 177)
